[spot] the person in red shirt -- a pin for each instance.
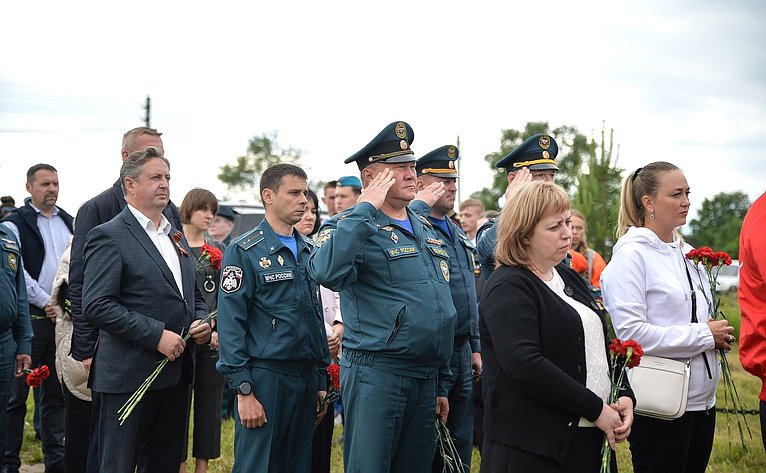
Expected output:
(752, 298)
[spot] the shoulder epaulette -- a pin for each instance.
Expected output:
(250, 239)
(309, 242)
(425, 220)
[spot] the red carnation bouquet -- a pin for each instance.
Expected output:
(622, 357)
(36, 376)
(712, 261)
(333, 389)
(209, 256)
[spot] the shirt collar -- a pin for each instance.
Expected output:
(55, 209)
(147, 224)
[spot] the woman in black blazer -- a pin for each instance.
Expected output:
(546, 367)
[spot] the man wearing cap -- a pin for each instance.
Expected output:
(347, 192)
(393, 274)
(223, 224)
(439, 167)
(532, 160)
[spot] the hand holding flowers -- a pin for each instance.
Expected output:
(622, 357)
(712, 261)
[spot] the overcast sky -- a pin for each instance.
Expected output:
(678, 81)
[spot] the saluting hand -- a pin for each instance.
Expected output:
(376, 191)
(431, 193)
(521, 176)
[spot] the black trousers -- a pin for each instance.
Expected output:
(206, 409)
(321, 444)
(152, 436)
(763, 424)
(51, 405)
(77, 432)
(681, 445)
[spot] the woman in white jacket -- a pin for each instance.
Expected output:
(648, 295)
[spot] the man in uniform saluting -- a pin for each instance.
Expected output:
(273, 349)
(393, 277)
(438, 168)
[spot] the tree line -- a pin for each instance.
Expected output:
(588, 171)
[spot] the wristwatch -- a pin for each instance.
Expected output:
(244, 389)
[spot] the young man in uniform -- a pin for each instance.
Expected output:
(273, 349)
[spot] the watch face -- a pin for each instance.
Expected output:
(245, 389)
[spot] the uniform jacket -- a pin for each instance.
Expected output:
(394, 289)
(14, 308)
(268, 309)
(462, 283)
(534, 362)
(486, 240)
(92, 213)
(131, 296)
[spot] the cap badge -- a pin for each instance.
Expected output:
(546, 155)
(544, 141)
(403, 144)
(451, 164)
(401, 130)
(265, 263)
(451, 152)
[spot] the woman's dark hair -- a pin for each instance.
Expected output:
(318, 222)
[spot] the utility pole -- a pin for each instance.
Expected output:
(148, 109)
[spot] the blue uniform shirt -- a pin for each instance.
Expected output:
(394, 289)
(268, 309)
(14, 307)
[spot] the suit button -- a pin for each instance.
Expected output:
(570, 424)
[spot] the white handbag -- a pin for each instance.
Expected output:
(661, 387)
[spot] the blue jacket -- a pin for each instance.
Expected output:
(14, 308)
(268, 309)
(462, 278)
(394, 289)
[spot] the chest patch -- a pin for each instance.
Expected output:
(278, 276)
(394, 252)
(231, 279)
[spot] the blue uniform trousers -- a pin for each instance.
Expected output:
(389, 420)
(460, 420)
(283, 444)
(7, 365)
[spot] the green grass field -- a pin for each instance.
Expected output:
(728, 455)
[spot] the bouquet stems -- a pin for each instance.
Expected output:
(136, 397)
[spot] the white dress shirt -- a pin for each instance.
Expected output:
(164, 243)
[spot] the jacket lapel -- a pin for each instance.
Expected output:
(143, 239)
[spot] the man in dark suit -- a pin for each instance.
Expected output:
(92, 213)
(139, 291)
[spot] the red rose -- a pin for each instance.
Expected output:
(617, 348)
(37, 376)
(636, 354)
(334, 372)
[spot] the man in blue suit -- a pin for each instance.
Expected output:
(139, 290)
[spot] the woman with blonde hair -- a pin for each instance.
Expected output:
(652, 298)
(546, 367)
